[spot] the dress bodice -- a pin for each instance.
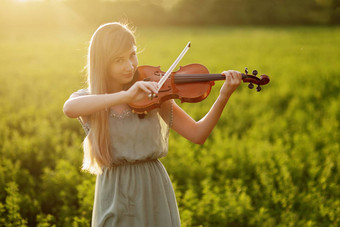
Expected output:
(134, 139)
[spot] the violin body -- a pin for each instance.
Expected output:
(190, 83)
(171, 90)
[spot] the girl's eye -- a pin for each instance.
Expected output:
(119, 60)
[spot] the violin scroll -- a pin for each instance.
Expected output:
(253, 79)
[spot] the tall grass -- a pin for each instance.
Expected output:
(273, 159)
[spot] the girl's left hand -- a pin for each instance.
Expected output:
(232, 81)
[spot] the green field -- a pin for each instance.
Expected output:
(273, 159)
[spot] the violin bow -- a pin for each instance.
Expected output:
(168, 72)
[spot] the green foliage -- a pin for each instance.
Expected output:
(10, 212)
(45, 220)
(272, 160)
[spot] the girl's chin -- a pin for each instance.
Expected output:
(129, 78)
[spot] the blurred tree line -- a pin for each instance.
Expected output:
(175, 12)
(222, 12)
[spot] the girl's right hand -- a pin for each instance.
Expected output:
(141, 89)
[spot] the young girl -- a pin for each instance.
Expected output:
(132, 186)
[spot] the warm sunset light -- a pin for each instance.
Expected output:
(28, 0)
(69, 80)
(22, 0)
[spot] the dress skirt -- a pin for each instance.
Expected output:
(135, 194)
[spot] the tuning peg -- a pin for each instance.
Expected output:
(258, 88)
(246, 70)
(255, 72)
(251, 86)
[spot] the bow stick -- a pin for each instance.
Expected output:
(168, 72)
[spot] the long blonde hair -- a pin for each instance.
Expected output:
(108, 41)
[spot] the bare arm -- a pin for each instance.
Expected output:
(198, 132)
(78, 106)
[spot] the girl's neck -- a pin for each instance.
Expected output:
(114, 87)
(114, 90)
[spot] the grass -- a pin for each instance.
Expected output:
(273, 159)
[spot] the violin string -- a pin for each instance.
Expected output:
(168, 72)
(186, 78)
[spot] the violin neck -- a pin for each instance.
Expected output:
(190, 78)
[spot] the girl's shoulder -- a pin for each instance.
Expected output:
(81, 92)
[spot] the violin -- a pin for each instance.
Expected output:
(191, 83)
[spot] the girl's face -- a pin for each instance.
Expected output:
(123, 68)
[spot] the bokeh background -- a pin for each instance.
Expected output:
(273, 159)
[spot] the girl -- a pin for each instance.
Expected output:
(132, 186)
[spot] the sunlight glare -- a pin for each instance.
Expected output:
(27, 0)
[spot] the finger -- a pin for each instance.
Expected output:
(225, 73)
(236, 76)
(239, 75)
(228, 78)
(144, 88)
(229, 74)
(152, 87)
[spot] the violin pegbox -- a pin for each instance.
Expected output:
(253, 79)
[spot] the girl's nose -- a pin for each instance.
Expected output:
(129, 66)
